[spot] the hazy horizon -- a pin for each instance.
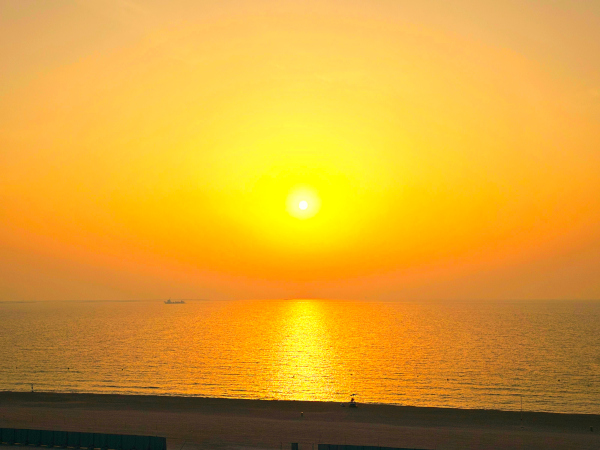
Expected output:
(293, 299)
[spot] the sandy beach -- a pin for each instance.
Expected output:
(199, 423)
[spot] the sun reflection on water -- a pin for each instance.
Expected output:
(422, 354)
(305, 353)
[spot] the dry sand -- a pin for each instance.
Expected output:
(198, 423)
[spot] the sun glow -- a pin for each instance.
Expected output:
(303, 202)
(162, 152)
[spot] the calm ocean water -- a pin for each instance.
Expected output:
(466, 355)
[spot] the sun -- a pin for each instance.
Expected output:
(303, 202)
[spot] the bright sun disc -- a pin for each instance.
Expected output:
(303, 202)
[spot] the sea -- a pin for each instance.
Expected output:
(507, 355)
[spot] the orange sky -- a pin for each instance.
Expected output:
(160, 149)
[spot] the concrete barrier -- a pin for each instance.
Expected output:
(76, 440)
(158, 443)
(34, 437)
(86, 440)
(142, 442)
(73, 439)
(100, 440)
(60, 439)
(8, 436)
(47, 439)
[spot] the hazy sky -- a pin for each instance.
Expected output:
(160, 149)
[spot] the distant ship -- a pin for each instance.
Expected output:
(176, 302)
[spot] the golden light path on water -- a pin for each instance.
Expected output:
(467, 355)
(307, 356)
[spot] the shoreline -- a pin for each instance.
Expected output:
(219, 423)
(201, 397)
(178, 399)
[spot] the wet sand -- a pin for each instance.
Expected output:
(209, 423)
